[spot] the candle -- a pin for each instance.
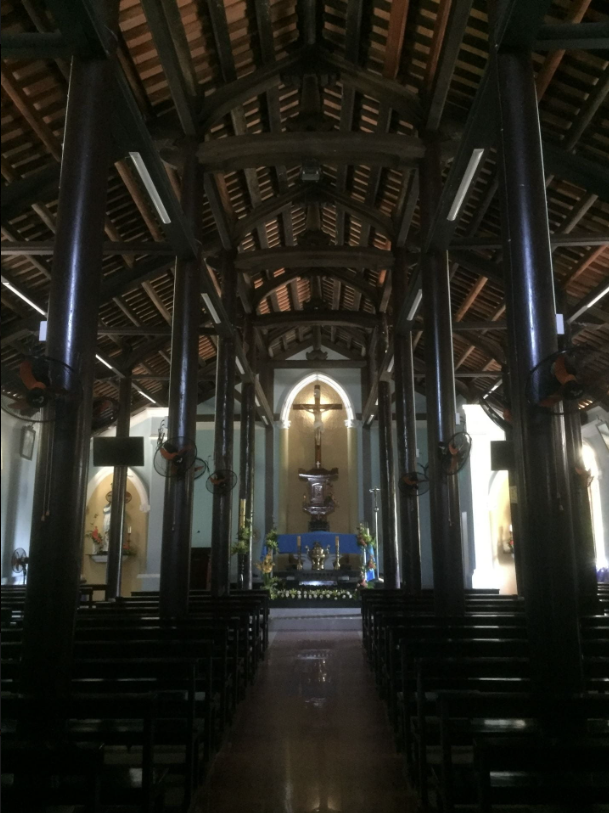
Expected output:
(336, 541)
(129, 529)
(298, 542)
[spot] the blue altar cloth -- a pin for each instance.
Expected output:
(347, 542)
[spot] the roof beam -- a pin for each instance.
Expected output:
(238, 92)
(370, 84)
(165, 23)
(307, 318)
(354, 280)
(26, 45)
(332, 256)
(39, 187)
(327, 364)
(455, 29)
(591, 175)
(45, 248)
(271, 149)
(573, 36)
(557, 240)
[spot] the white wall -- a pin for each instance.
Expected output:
(18, 475)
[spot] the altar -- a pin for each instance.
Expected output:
(293, 564)
(288, 543)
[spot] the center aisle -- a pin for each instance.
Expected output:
(312, 737)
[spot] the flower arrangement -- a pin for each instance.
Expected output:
(266, 569)
(96, 538)
(242, 545)
(272, 539)
(301, 593)
(364, 537)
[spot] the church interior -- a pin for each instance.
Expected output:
(305, 406)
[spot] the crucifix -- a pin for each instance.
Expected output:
(317, 409)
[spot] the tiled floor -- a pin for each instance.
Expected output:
(312, 737)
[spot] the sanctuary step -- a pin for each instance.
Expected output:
(321, 619)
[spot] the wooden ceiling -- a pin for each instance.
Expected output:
(367, 76)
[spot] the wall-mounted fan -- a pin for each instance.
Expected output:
(200, 467)
(221, 481)
(566, 377)
(454, 454)
(19, 562)
(104, 413)
(34, 391)
(174, 457)
(414, 483)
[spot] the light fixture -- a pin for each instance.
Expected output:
(239, 365)
(603, 292)
(560, 324)
(370, 419)
(211, 309)
(265, 419)
(104, 362)
(468, 177)
(142, 169)
(18, 293)
(141, 392)
(415, 305)
(391, 363)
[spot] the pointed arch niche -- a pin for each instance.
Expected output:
(339, 449)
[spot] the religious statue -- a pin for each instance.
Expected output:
(321, 500)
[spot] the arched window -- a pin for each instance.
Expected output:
(594, 491)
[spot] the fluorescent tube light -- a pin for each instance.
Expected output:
(239, 365)
(104, 362)
(585, 307)
(141, 167)
(391, 363)
(210, 307)
(560, 324)
(18, 293)
(141, 392)
(42, 331)
(465, 183)
(415, 305)
(265, 420)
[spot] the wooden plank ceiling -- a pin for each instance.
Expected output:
(384, 69)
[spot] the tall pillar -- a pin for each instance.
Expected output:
(223, 442)
(549, 569)
(60, 493)
(446, 546)
(183, 389)
(391, 568)
(248, 440)
(266, 381)
(585, 553)
(406, 425)
(119, 487)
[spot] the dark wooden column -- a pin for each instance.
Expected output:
(223, 444)
(583, 532)
(61, 482)
(406, 426)
(266, 380)
(366, 511)
(550, 572)
(119, 487)
(449, 594)
(391, 567)
(183, 389)
(248, 448)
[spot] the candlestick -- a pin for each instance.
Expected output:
(299, 561)
(337, 560)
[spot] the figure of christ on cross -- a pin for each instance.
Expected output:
(317, 409)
